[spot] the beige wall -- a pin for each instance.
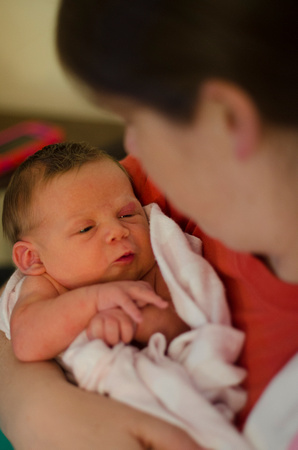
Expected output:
(31, 80)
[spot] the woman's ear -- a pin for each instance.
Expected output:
(27, 259)
(241, 115)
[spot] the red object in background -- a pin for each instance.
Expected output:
(22, 140)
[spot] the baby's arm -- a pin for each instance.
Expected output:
(44, 323)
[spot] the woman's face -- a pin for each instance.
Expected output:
(195, 166)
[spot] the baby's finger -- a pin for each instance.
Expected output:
(95, 329)
(111, 330)
(127, 303)
(127, 329)
(143, 294)
(117, 294)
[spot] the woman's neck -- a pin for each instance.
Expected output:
(282, 258)
(285, 266)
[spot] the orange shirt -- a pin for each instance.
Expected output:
(261, 305)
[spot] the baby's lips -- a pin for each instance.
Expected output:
(127, 256)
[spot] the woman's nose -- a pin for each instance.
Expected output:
(115, 231)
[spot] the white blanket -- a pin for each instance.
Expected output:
(273, 423)
(194, 384)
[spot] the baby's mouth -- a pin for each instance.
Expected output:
(126, 257)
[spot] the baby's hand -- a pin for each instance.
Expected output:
(130, 296)
(112, 326)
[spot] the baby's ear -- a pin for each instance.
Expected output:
(27, 259)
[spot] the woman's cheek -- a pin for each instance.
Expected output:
(130, 141)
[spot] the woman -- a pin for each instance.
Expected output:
(208, 93)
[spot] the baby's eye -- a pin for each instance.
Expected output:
(125, 215)
(85, 230)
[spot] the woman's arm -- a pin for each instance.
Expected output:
(40, 409)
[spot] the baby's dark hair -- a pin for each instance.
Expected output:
(18, 216)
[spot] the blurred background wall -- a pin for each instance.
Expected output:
(31, 79)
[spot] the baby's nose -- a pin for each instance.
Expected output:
(116, 231)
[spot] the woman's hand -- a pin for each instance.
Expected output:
(40, 409)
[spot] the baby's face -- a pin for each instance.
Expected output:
(92, 227)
